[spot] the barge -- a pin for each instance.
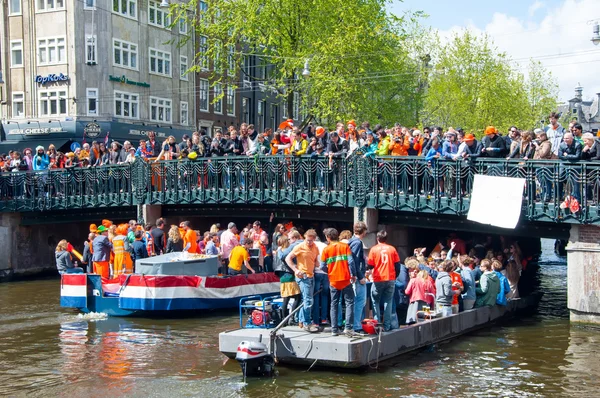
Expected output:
(296, 347)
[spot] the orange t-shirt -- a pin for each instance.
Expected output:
(455, 276)
(191, 238)
(383, 257)
(336, 255)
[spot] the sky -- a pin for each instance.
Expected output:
(554, 32)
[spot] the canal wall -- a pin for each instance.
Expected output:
(27, 250)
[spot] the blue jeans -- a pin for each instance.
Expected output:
(383, 292)
(231, 271)
(336, 298)
(360, 299)
(307, 289)
(319, 311)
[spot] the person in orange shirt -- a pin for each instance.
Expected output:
(400, 143)
(385, 263)
(337, 260)
(190, 238)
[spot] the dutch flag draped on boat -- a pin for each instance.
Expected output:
(73, 290)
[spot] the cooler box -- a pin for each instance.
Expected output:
(178, 264)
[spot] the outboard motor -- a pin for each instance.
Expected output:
(255, 359)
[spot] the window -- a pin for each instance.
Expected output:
(246, 72)
(183, 108)
(273, 114)
(158, 16)
(50, 5)
(92, 101)
(160, 109)
(230, 101)
(160, 62)
(183, 66)
(203, 95)
(127, 8)
(125, 54)
(53, 103)
(91, 52)
(217, 60)
(52, 51)
(218, 106)
(261, 70)
(126, 105)
(245, 110)
(183, 26)
(260, 111)
(284, 114)
(231, 61)
(89, 4)
(202, 50)
(203, 7)
(14, 7)
(296, 106)
(18, 104)
(16, 53)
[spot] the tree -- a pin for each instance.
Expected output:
(359, 67)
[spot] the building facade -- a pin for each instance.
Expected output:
(585, 112)
(78, 69)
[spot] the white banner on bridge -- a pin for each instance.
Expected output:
(496, 200)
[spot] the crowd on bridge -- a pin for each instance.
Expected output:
(455, 275)
(344, 142)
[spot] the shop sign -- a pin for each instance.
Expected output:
(51, 78)
(37, 131)
(145, 133)
(124, 80)
(92, 130)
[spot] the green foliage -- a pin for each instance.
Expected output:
(472, 85)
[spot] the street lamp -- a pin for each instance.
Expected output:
(164, 3)
(306, 71)
(596, 35)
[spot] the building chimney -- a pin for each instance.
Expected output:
(578, 92)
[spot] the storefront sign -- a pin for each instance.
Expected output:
(38, 131)
(145, 133)
(92, 130)
(124, 80)
(51, 78)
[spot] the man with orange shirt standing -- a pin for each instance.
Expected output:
(337, 260)
(189, 237)
(385, 263)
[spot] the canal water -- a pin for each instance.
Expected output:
(49, 351)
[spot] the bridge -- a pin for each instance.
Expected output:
(407, 192)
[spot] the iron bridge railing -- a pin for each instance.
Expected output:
(409, 184)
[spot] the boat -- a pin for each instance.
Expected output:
(164, 284)
(293, 346)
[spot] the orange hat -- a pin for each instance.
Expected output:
(106, 223)
(469, 137)
(352, 123)
(93, 228)
(320, 131)
(122, 229)
(489, 130)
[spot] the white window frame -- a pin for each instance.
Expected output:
(273, 115)
(120, 95)
(91, 40)
(183, 26)
(246, 106)
(11, 12)
(183, 67)
(45, 4)
(87, 7)
(230, 95)
(246, 82)
(202, 50)
(118, 44)
(284, 114)
(261, 117)
(92, 94)
(154, 6)
(218, 104)
(56, 97)
(217, 60)
(56, 48)
(127, 13)
(159, 55)
(13, 102)
(203, 94)
(19, 48)
(165, 104)
(184, 108)
(231, 61)
(296, 105)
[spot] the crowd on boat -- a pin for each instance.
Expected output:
(323, 273)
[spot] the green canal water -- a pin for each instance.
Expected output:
(46, 351)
